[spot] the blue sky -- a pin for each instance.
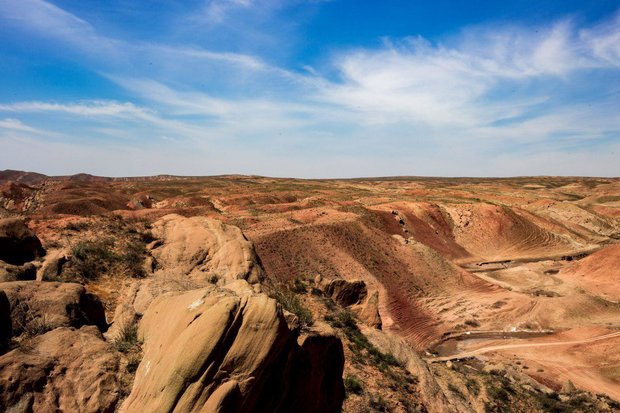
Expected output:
(311, 88)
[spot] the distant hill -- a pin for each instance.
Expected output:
(28, 178)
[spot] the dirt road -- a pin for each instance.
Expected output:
(511, 346)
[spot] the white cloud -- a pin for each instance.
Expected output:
(85, 108)
(604, 41)
(440, 84)
(217, 10)
(16, 125)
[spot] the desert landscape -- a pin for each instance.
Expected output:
(247, 293)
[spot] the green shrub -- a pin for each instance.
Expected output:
(353, 385)
(345, 321)
(292, 303)
(133, 362)
(379, 404)
(91, 258)
(133, 259)
(127, 337)
(298, 286)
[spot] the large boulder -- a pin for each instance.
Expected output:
(204, 249)
(64, 370)
(369, 312)
(345, 292)
(230, 350)
(10, 272)
(136, 299)
(18, 244)
(52, 265)
(40, 306)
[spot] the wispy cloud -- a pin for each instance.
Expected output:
(453, 84)
(86, 108)
(16, 129)
(217, 10)
(16, 125)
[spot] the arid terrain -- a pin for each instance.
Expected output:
(246, 293)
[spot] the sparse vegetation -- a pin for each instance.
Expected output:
(501, 394)
(92, 258)
(28, 321)
(291, 302)
(353, 385)
(127, 337)
(378, 403)
(133, 361)
(363, 349)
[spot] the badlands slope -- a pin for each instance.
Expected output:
(457, 267)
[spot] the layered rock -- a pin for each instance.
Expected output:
(204, 249)
(64, 370)
(230, 350)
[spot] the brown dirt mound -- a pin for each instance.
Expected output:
(598, 273)
(426, 223)
(352, 250)
(498, 233)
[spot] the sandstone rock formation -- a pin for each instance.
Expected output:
(18, 244)
(40, 306)
(204, 249)
(434, 398)
(345, 292)
(230, 350)
(369, 313)
(6, 330)
(136, 299)
(64, 370)
(52, 265)
(9, 272)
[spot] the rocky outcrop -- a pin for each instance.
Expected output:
(369, 312)
(52, 265)
(345, 292)
(316, 373)
(230, 350)
(40, 306)
(135, 300)
(431, 393)
(9, 272)
(204, 249)
(18, 244)
(6, 330)
(64, 370)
